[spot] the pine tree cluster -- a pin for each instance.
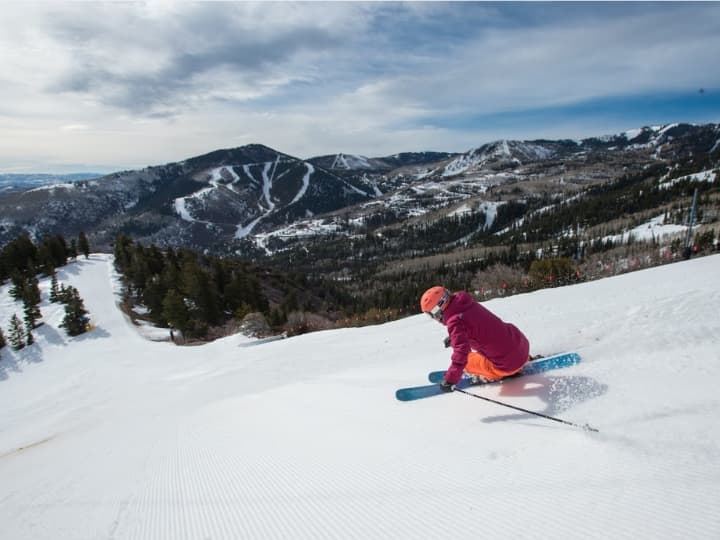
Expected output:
(22, 257)
(20, 261)
(75, 321)
(194, 293)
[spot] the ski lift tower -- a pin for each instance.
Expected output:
(687, 252)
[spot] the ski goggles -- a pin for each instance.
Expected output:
(437, 312)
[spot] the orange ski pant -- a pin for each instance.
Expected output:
(479, 365)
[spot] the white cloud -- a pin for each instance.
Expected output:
(159, 81)
(75, 127)
(563, 63)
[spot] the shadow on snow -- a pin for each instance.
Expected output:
(557, 392)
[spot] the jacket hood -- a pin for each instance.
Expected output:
(459, 302)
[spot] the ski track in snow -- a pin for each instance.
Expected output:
(715, 146)
(245, 230)
(215, 179)
(109, 435)
(266, 207)
(305, 183)
(267, 185)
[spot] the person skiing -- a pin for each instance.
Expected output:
(484, 346)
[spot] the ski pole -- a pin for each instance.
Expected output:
(586, 427)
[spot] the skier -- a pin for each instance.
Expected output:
(483, 345)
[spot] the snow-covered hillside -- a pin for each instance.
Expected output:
(111, 435)
(513, 152)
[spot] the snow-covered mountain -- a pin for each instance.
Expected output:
(235, 200)
(349, 162)
(111, 435)
(224, 195)
(500, 154)
(507, 154)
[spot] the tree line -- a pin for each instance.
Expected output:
(196, 293)
(22, 257)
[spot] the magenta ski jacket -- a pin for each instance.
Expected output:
(473, 327)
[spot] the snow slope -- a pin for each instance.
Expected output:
(655, 228)
(110, 435)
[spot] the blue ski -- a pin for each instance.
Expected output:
(537, 366)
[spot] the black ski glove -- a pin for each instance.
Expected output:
(446, 386)
(446, 341)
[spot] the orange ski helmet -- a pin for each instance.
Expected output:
(434, 301)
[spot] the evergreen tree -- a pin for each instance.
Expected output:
(175, 311)
(17, 282)
(31, 302)
(122, 253)
(58, 249)
(63, 294)
(17, 333)
(170, 276)
(75, 320)
(16, 256)
(138, 271)
(83, 245)
(153, 297)
(73, 249)
(54, 292)
(45, 261)
(202, 292)
(2, 339)
(236, 293)
(32, 314)
(29, 339)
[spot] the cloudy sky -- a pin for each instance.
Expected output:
(109, 86)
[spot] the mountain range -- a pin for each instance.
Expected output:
(23, 181)
(254, 199)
